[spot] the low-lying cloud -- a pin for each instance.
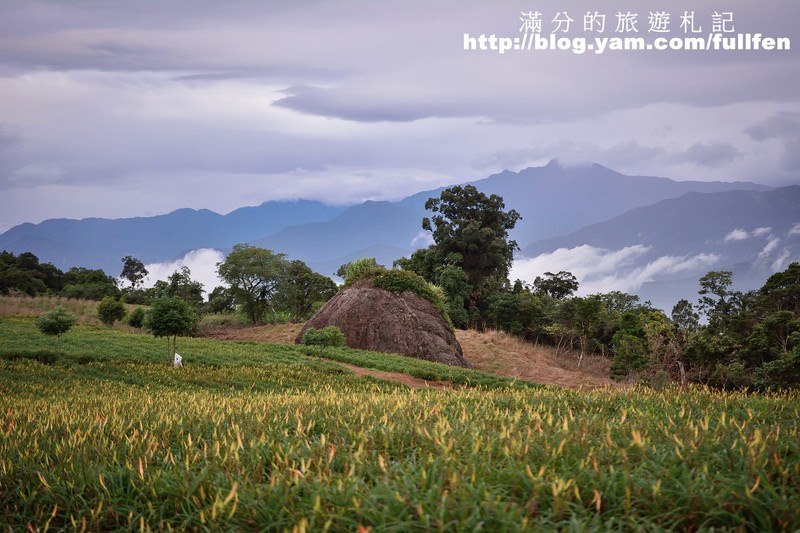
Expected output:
(201, 262)
(600, 270)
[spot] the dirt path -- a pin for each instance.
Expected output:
(405, 379)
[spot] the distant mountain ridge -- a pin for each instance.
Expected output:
(101, 243)
(752, 233)
(553, 200)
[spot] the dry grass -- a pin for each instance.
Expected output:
(505, 355)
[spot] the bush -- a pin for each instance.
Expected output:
(55, 323)
(136, 318)
(406, 280)
(110, 310)
(360, 269)
(329, 336)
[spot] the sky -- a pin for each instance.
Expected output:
(129, 108)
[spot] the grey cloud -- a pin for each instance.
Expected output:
(785, 127)
(780, 125)
(349, 105)
(710, 154)
(632, 152)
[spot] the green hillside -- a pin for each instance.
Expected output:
(252, 436)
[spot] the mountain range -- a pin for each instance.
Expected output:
(562, 207)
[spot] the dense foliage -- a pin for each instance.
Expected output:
(25, 274)
(263, 282)
(471, 254)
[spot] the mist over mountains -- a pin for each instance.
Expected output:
(642, 234)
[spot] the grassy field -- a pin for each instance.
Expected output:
(255, 436)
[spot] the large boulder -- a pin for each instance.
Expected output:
(383, 321)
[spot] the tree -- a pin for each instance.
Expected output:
(181, 285)
(472, 228)
(110, 310)
(557, 286)
(89, 284)
(781, 291)
(716, 298)
(453, 281)
(170, 317)
(684, 316)
(133, 270)
(137, 318)
(587, 319)
(301, 289)
(221, 300)
(56, 322)
(253, 274)
(630, 355)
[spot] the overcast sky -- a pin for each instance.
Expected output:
(140, 107)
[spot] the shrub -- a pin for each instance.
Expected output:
(136, 318)
(170, 317)
(55, 323)
(360, 269)
(110, 310)
(406, 280)
(329, 336)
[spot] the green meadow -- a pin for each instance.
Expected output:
(252, 436)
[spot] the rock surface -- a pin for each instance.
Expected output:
(382, 321)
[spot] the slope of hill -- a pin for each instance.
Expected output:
(491, 351)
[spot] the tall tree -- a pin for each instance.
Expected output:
(470, 230)
(301, 289)
(254, 275)
(180, 284)
(557, 286)
(133, 270)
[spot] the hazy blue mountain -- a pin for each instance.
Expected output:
(101, 243)
(552, 200)
(673, 242)
(555, 200)
(359, 231)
